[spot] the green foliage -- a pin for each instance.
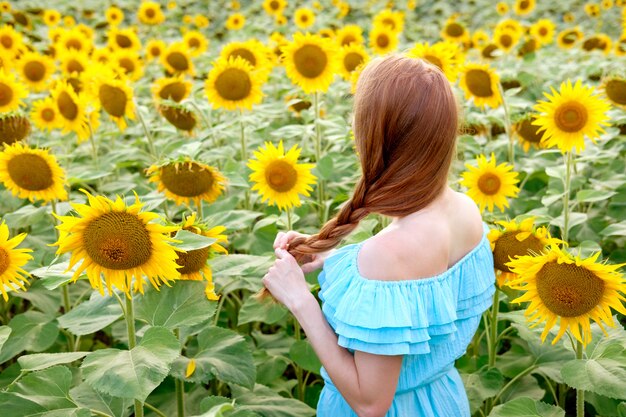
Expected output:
(527, 407)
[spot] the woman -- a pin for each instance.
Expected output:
(399, 308)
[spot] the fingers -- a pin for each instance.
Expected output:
(284, 238)
(279, 239)
(282, 254)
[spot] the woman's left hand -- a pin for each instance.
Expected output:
(285, 280)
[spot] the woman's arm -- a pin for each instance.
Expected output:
(367, 382)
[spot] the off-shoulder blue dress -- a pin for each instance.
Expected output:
(430, 321)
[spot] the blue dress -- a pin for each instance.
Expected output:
(430, 321)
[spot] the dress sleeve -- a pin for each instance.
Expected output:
(403, 317)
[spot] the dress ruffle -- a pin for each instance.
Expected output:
(404, 317)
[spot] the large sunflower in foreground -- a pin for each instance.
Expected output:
(574, 290)
(480, 82)
(11, 92)
(32, 173)
(231, 85)
(278, 177)
(570, 114)
(117, 242)
(516, 239)
(12, 276)
(490, 184)
(310, 62)
(188, 180)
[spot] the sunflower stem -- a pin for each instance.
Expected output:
(132, 340)
(289, 224)
(580, 394)
(94, 148)
(298, 369)
(180, 386)
(493, 348)
(507, 126)
(318, 156)
(244, 153)
(148, 134)
(568, 177)
(199, 208)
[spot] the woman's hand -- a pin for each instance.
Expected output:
(285, 280)
(283, 240)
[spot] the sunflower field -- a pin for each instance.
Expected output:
(152, 150)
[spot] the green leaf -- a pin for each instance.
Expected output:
(269, 367)
(325, 167)
(25, 216)
(575, 219)
(53, 276)
(266, 311)
(482, 384)
(526, 407)
(222, 353)
(5, 332)
(133, 373)
(591, 196)
(87, 397)
(305, 357)
(39, 361)
(603, 376)
(68, 412)
(92, 315)
(192, 241)
(615, 229)
(236, 265)
(183, 304)
(30, 331)
(268, 403)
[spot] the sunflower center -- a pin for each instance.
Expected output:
(6, 41)
(390, 22)
(382, 40)
(455, 30)
(528, 131)
(13, 128)
(304, 18)
(34, 71)
(113, 99)
(479, 83)
(155, 51)
(187, 181)
(489, 183)
(524, 4)
(569, 290)
(193, 43)
(128, 65)
(616, 91)
(74, 44)
(47, 115)
(434, 60)
(591, 43)
(245, 54)
(571, 116)
(569, 38)
(508, 246)
(123, 41)
(506, 40)
(75, 66)
(193, 260)
(301, 105)
(6, 94)
(274, 5)
(150, 13)
(117, 240)
(310, 60)
(543, 31)
(233, 84)
(5, 261)
(178, 61)
(488, 50)
(174, 91)
(30, 172)
(281, 176)
(347, 40)
(182, 118)
(352, 60)
(66, 105)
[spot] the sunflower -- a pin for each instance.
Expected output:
(278, 177)
(188, 180)
(150, 13)
(490, 185)
(614, 89)
(297, 104)
(45, 114)
(568, 38)
(310, 62)
(128, 63)
(440, 54)
(327, 33)
(51, 17)
(194, 262)
(115, 96)
(606, 4)
(598, 41)
(528, 133)
(154, 49)
(506, 39)
(351, 57)
(11, 41)
(516, 239)
(274, 7)
(177, 59)
(574, 290)
(254, 52)
(12, 276)
(200, 21)
(175, 88)
(5, 6)
(349, 34)
(13, 128)
(502, 8)
(281, 20)
(481, 83)
(235, 21)
(11, 92)
(488, 51)
(304, 18)
(75, 39)
(231, 84)
(480, 38)
(524, 7)
(454, 31)
(570, 114)
(382, 40)
(126, 39)
(543, 30)
(392, 20)
(118, 241)
(179, 116)
(35, 69)
(114, 15)
(71, 108)
(620, 46)
(568, 17)
(592, 9)
(73, 62)
(31, 173)
(196, 42)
